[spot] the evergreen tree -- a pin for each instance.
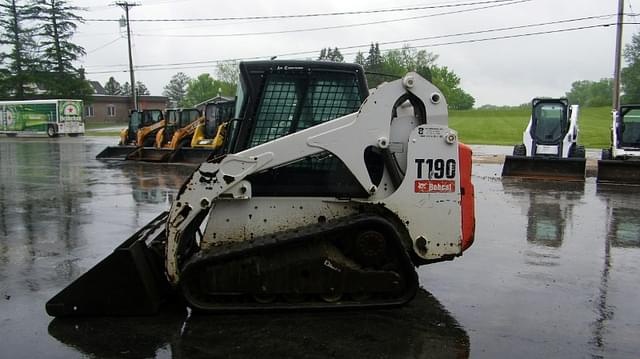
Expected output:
(374, 59)
(329, 54)
(126, 89)
(373, 66)
(360, 60)
(336, 56)
(57, 24)
(112, 87)
(141, 89)
(323, 55)
(176, 89)
(19, 64)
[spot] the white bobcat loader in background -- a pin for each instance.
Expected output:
(620, 163)
(312, 207)
(550, 144)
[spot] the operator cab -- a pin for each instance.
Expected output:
(217, 113)
(150, 117)
(277, 98)
(135, 122)
(628, 127)
(550, 120)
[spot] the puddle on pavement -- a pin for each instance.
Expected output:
(551, 274)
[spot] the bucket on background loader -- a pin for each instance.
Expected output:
(130, 281)
(619, 171)
(116, 152)
(567, 169)
(150, 154)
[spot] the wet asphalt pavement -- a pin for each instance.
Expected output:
(554, 272)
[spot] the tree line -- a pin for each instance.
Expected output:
(394, 64)
(37, 61)
(36, 54)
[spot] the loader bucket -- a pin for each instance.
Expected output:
(150, 154)
(191, 155)
(116, 152)
(619, 171)
(130, 281)
(566, 169)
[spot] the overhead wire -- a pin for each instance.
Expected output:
(326, 14)
(198, 64)
(104, 45)
(262, 33)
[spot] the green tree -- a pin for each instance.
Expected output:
(126, 89)
(373, 66)
(591, 93)
(360, 60)
(205, 87)
(57, 22)
(228, 72)
(176, 89)
(449, 84)
(630, 75)
(19, 64)
(141, 89)
(329, 54)
(112, 87)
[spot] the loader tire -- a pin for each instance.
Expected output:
(519, 150)
(606, 154)
(577, 151)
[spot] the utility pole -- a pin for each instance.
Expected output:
(618, 59)
(125, 5)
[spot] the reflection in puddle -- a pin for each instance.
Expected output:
(623, 231)
(421, 329)
(154, 183)
(43, 194)
(624, 227)
(549, 208)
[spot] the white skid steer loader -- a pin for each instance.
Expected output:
(550, 147)
(620, 163)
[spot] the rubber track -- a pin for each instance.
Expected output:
(229, 251)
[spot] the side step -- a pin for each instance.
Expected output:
(619, 171)
(116, 152)
(130, 281)
(566, 169)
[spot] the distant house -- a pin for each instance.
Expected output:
(115, 108)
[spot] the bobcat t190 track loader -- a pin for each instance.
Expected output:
(319, 203)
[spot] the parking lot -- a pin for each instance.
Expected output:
(553, 271)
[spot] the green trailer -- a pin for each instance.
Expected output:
(51, 117)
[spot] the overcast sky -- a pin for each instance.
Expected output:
(500, 72)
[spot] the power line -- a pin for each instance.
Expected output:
(200, 64)
(417, 39)
(103, 46)
(261, 33)
(341, 13)
(428, 38)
